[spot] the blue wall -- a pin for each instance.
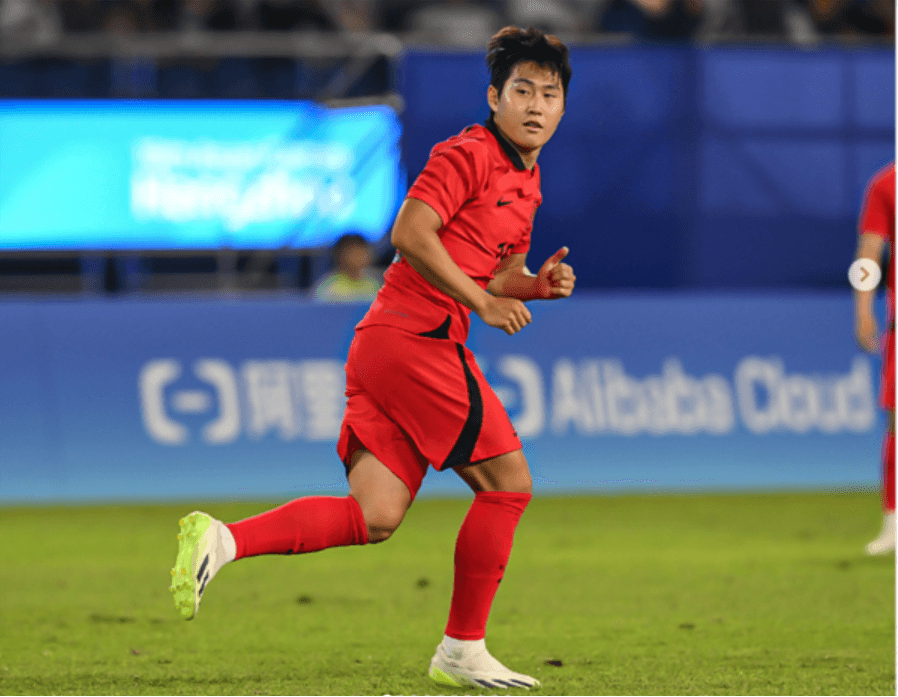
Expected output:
(243, 399)
(690, 167)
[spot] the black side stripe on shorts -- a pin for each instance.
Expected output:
(464, 447)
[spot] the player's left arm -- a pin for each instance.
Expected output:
(554, 280)
(870, 246)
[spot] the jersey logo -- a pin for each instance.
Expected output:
(500, 202)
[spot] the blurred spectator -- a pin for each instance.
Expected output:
(455, 23)
(352, 278)
(652, 20)
(34, 19)
(292, 15)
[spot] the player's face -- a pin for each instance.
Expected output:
(529, 107)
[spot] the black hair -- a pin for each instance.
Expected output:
(348, 240)
(512, 45)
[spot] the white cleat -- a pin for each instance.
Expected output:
(201, 553)
(885, 543)
(474, 668)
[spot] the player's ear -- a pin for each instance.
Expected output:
(492, 98)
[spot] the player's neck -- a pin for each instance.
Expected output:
(528, 157)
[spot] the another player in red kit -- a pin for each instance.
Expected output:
(876, 232)
(416, 397)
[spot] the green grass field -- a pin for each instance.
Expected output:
(691, 594)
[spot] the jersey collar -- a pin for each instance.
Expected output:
(509, 149)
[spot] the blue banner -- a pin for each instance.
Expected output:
(161, 399)
(194, 175)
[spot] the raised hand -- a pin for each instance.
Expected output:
(555, 279)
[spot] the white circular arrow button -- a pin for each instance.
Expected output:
(864, 274)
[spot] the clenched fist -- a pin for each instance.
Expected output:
(507, 314)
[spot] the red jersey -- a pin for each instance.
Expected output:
(878, 218)
(486, 199)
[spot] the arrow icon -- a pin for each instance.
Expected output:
(864, 274)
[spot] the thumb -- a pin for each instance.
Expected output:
(557, 257)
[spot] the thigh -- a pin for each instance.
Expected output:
(366, 428)
(507, 472)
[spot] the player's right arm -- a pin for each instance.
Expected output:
(870, 246)
(415, 237)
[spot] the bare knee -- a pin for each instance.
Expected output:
(519, 484)
(516, 480)
(382, 519)
(524, 487)
(382, 496)
(507, 472)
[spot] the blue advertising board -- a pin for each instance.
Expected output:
(242, 399)
(194, 175)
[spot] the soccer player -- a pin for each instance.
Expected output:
(415, 396)
(876, 230)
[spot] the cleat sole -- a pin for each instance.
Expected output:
(445, 679)
(183, 585)
(441, 678)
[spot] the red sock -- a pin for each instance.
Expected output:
(303, 525)
(888, 472)
(481, 553)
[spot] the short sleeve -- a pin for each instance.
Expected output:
(448, 180)
(875, 216)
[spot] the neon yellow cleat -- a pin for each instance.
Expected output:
(200, 556)
(475, 668)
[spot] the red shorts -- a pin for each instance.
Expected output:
(414, 401)
(887, 380)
